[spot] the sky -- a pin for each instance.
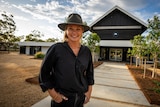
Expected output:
(45, 15)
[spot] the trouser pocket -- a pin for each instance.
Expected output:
(54, 104)
(75, 100)
(79, 100)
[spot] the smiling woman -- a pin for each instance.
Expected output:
(65, 62)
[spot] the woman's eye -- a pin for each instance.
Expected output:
(78, 29)
(70, 28)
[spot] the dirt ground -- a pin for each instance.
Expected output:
(14, 90)
(15, 69)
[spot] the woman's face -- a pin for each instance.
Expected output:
(74, 32)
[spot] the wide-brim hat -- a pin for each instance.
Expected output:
(73, 18)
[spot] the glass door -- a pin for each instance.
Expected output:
(115, 54)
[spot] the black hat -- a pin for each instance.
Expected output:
(73, 18)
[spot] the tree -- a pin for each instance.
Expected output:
(34, 36)
(7, 29)
(139, 48)
(51, 40)
(92, 41)
(153, 39)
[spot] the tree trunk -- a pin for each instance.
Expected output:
(154, 68)
(144, 75)
(130, 60)
(137, 61)
(93, 59)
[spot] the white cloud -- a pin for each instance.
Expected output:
(21, 18)
(51, 32)
(33, 0)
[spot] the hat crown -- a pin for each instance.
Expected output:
(74, 18)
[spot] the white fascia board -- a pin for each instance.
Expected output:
(116, 43)
(116, 27)
(30, 43)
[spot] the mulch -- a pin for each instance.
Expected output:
(150, 86)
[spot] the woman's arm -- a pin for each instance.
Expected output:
(88, 94)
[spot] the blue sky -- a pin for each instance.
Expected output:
(44, 15)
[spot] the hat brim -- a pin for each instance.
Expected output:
(62, 26)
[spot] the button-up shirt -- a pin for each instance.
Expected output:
(62, 70)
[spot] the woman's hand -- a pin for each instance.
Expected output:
(57, 97)
(88, 95)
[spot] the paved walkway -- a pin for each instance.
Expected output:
(114, 87)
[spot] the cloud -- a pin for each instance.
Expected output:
(51, 11)
(50, 31)
(55, 11)
(21, 18)
(129, 5)
(33, 0)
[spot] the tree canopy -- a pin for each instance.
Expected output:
(92, 41)
(7, 29)
(149, 44)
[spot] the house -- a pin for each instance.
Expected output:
(116, 28)
(31, 47)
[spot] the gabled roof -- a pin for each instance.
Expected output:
(122, 10)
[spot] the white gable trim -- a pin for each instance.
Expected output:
(116, 27)
(116, 43)
(122, 10)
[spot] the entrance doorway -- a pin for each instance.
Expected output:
(115, 54)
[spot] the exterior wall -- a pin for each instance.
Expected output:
(121, 34)
(117, 17)
(30, 48)
(116, 43)
(27, 50)
(44, 49)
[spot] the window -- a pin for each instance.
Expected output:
(115, 34)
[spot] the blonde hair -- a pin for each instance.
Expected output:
(65, 38)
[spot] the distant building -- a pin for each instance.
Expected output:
(116, 28)
(31, 47)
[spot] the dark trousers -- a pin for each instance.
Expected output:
(75, 100)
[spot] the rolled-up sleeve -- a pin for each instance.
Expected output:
(46, 78)
(90, 71)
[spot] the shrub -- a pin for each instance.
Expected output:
(39, 55)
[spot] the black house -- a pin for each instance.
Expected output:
(116, 28)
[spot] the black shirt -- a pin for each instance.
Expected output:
(62, 70)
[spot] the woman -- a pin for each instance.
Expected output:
(67, 69)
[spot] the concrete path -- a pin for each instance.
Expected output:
(114, 87)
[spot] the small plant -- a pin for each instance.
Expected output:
(157, 88)
(39, 55)
(157, 83)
